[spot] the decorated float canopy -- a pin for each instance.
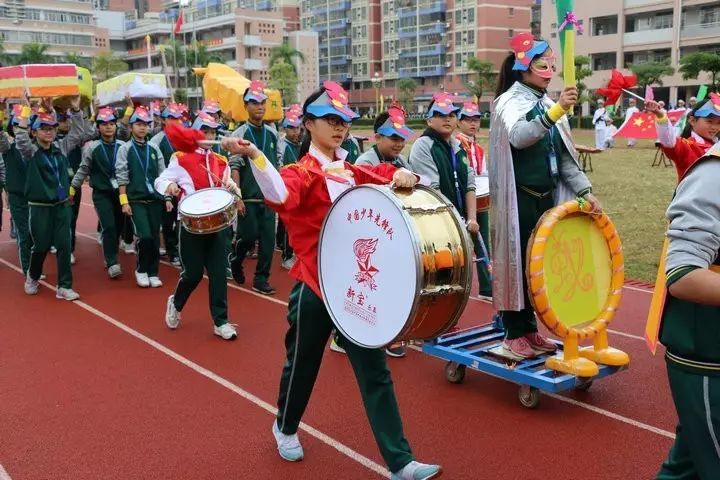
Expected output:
(141, 87)
(224, 84)
(43, 81)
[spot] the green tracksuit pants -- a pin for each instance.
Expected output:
(109, 212)
(483, 272)
(696, 452)
(200, 253)
(258, 224)
(20, 213)
(50, 226)
(146, 218)
(530, 209)
(305, 342)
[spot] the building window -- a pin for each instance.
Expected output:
(604, 25)
(511, 11)
(709, 15)
(511, 33)
(603, 61)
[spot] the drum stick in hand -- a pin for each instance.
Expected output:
(233, 188)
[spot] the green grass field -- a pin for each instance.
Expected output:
(634, 195)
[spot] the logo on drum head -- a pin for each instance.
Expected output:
(363, 249)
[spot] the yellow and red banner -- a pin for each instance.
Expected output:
(39, 81)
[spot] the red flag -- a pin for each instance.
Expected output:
(675, 115)
(615, 86)
(179, 22)
(639, 125)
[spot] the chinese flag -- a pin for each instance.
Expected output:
(179, 22)
(639, 125)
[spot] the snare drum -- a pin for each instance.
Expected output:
(207, 211)
(482, 193)
(394, 265)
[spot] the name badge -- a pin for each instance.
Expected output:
(71, 172)
(114, 183)
(552, 164)
(149, 186)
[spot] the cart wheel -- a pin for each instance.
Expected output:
(585, 385)
(529, 396)
(454, 372)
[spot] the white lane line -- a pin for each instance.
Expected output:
(229, 284)
(628, 335)
(3, 474)
(326, 439)
(598, 410)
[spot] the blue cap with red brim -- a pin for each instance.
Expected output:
(334, 101)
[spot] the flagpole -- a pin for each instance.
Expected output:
(147, 47)
(182, 12)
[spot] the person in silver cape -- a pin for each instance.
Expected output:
(533, 167)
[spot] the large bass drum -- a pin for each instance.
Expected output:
(394, 265)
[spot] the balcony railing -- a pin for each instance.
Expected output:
(252, 64)
(648, 36)
(252, 41)
(700, 30)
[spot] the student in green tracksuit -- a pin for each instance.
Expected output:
(288, 152)
(15, 176)
(352, 146)
(138, 164)
(258, 223)
(46, 188)
(99, 158)
(173, 113)
(690, 328)
(74, 159)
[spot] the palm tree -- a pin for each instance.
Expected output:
(286, 54)
(34, 53)
(485, 76)
(73, 57)
(198, 55)
(106, 65)
(4, 59)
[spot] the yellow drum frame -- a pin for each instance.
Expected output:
(576, 361)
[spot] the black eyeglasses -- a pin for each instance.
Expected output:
(335, 121)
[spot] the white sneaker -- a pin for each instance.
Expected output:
(289, 263)
(72, 259)
(335, 347)
(288, 445)
(67, 294)
(142, 279)
(172, 316)
(99, 238)
(114, 271)
(127, 247)
(53, 250)
(155, 282)
(417, 471)
(226, 331)
(31, 286)
(162, 252)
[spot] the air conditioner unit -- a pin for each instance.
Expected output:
(448, 64)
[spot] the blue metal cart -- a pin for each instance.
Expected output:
(479, 349)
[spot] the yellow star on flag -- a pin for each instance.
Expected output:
(639, 122)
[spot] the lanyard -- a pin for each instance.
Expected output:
(114, 157)
(552, 155)
(54, 166)
(145, 164)
(254, 139)
(458, 195)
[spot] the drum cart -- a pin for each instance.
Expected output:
(478, 348)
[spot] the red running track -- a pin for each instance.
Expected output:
(102, 389)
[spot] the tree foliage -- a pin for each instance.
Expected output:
(106, 65)
(651, 73)
(484, 76)
(406, 87)
(285, 53)
(284, 78)
(692, 65)
(34, 53)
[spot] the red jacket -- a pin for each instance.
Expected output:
(686, 152)
(307, 203)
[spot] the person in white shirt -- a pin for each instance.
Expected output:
(599, 122)
(632, 109)
(610, 130)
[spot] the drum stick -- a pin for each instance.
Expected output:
(235, 190)
(633, 94)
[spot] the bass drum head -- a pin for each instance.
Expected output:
(205, 201)
(368, 267)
